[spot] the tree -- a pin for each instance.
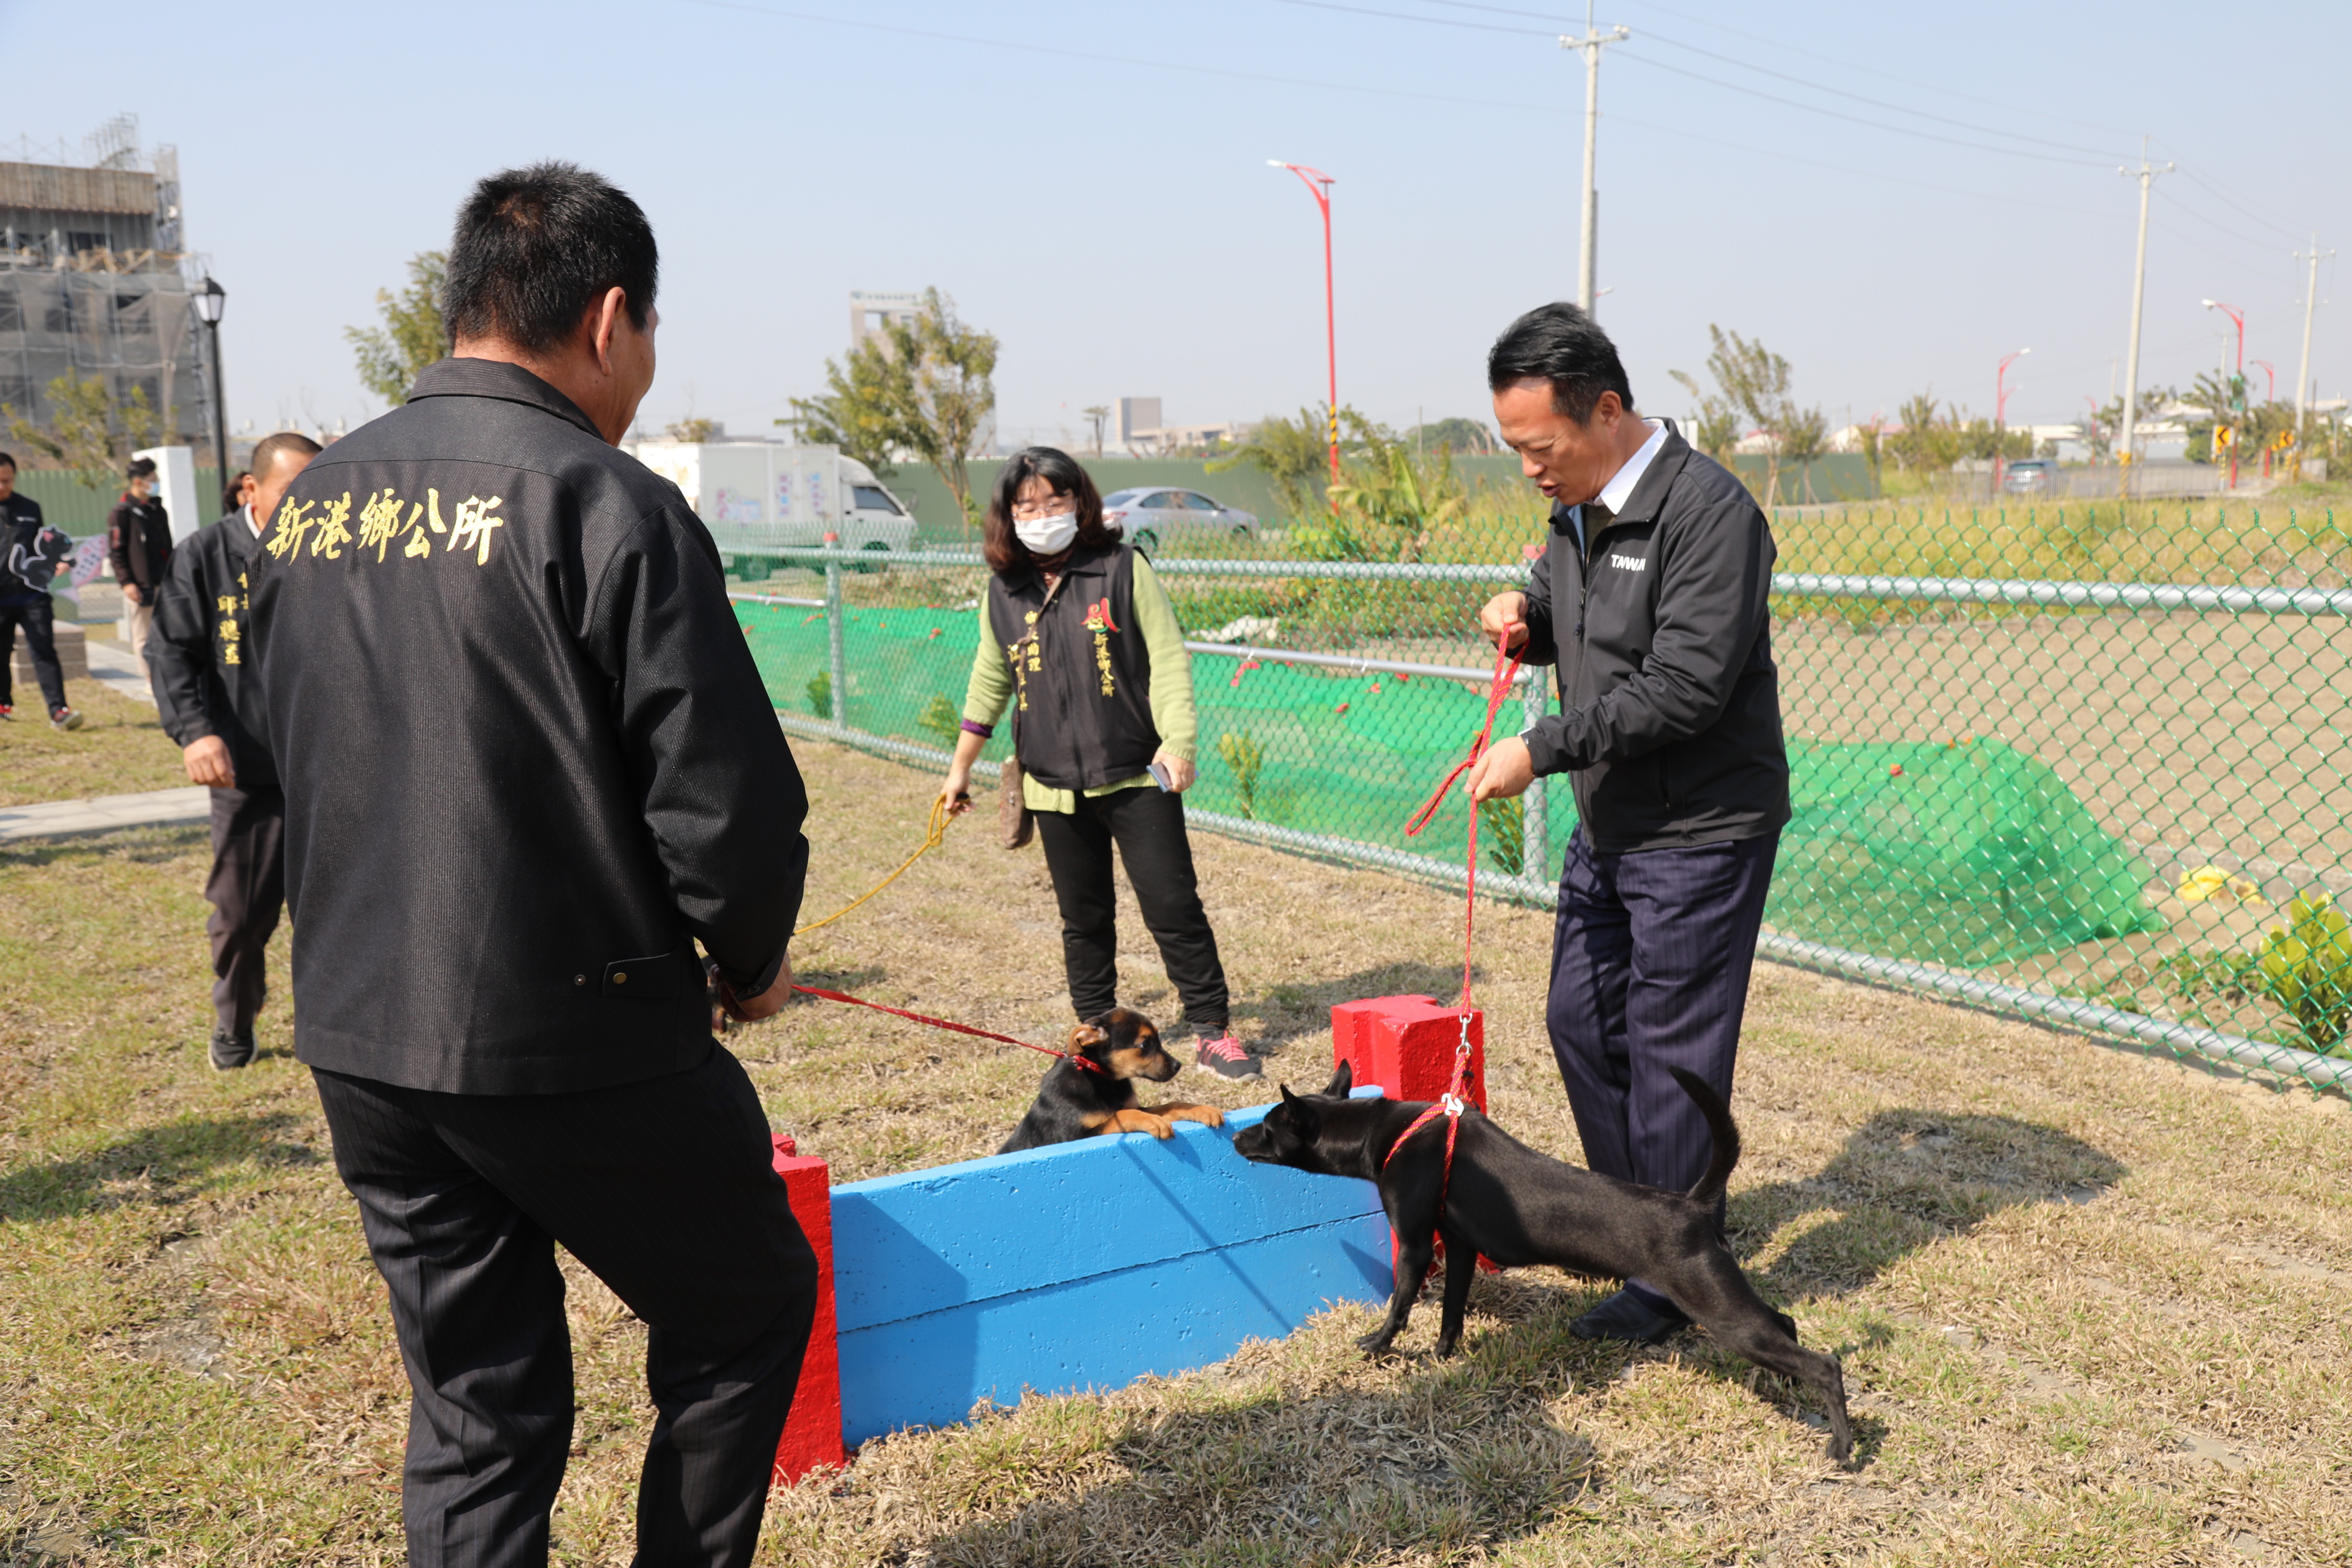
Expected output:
(1714, 426)
(413, 335)
(91, 430)
(924, 386)
(1466, 435)
(1754, 385)
(1097, 416)
(693, 429)
(1293, 454)
(1803, 435)
(1389, 500)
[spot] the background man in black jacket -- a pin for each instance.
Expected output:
(25, 555)
(1650, 598)
(208, 697)
(529, 764)
(139, 547)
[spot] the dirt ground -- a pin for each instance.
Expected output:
(2091, 1307)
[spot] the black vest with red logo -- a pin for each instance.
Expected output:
(1081, 673)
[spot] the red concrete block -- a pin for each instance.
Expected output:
(1406, 1045)
(811, 1439)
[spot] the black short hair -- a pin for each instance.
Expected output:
(7, 462)
(140, 468)
(265, 450)
(1560, 345)
(1068, 477)
(536, 248)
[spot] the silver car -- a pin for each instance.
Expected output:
(1151, 517)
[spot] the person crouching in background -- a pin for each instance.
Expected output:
(1077, 633)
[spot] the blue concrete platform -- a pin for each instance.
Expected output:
(1083, 1265)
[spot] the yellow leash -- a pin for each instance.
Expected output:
(931, 840)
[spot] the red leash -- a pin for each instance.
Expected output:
(943, 1024)
(1507, 669)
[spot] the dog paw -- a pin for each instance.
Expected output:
(1445, 1349)
(1209, 1116)
(1377, 1346)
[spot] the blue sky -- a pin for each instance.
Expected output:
(1892, 196)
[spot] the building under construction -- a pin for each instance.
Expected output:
(94, 278)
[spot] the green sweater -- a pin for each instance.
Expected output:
(1172, 688)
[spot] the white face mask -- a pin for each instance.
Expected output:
(1046, 535)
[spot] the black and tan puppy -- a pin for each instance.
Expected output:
(1073, 1103)
(1518, 1207)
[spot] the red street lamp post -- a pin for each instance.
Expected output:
(2237, 318)
(1319, 185)
(2270, 395)
(2000, 416)
(2091, 427)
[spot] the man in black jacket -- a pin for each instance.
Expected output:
(139, 547)
(208, 697)
(529, 764)
(29, 554)
(1650, 598)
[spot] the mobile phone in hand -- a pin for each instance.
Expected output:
(1159, 771)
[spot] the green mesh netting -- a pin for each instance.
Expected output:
(1969, 855)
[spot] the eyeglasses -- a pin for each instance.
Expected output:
(1051, 507)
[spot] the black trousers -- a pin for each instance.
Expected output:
(666, 1190)
(1147, 826)
(1651, 955)
(248, 892)
(38, 618)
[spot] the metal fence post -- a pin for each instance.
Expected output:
(836, 644)
(1535, 860)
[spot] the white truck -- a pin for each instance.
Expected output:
(758, 496)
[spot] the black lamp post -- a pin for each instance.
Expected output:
(209, 302)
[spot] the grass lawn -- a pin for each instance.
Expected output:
(119, 750)
(2093, 1306)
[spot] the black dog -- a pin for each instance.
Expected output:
(1518, 1207)
(1073, 1103)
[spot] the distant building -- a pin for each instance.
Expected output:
(870, 314)
(94, 278)
(1135, 421)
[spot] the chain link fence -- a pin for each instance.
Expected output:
(2088, 763)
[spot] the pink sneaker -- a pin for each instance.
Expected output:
(1224, 1057)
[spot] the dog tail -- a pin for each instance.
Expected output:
(1718, 1123)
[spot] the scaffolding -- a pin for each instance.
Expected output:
(95, 278)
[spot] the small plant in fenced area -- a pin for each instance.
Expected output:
(2306, 968)
(941, 717)
(820, 694)
(1245, 758)
(1505, 824)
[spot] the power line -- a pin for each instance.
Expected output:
(1726, 59)
(2219, 196)
(1807, 54)
(1857, 120)
(2076, 211)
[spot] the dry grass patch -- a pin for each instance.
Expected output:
(119, 749)
(2091, 1307)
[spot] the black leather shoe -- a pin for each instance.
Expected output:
(231, 1048)
(1627, 1316)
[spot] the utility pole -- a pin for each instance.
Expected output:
(1590, 46)
(2145, 174)
(2310, 297)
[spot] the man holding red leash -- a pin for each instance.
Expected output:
(1650, 599)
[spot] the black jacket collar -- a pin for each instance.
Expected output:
(496, 378)
(1081, 563)
(1649, 492)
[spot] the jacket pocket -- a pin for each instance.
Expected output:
(650, 979)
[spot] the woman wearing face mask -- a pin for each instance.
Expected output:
(1078, 635)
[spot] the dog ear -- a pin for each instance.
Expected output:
(1086, 1035)
(1341, 1081)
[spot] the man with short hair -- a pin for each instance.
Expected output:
(529, 764)
(209, 700)
(139, 546)
(30, 552)
(1650, 599)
